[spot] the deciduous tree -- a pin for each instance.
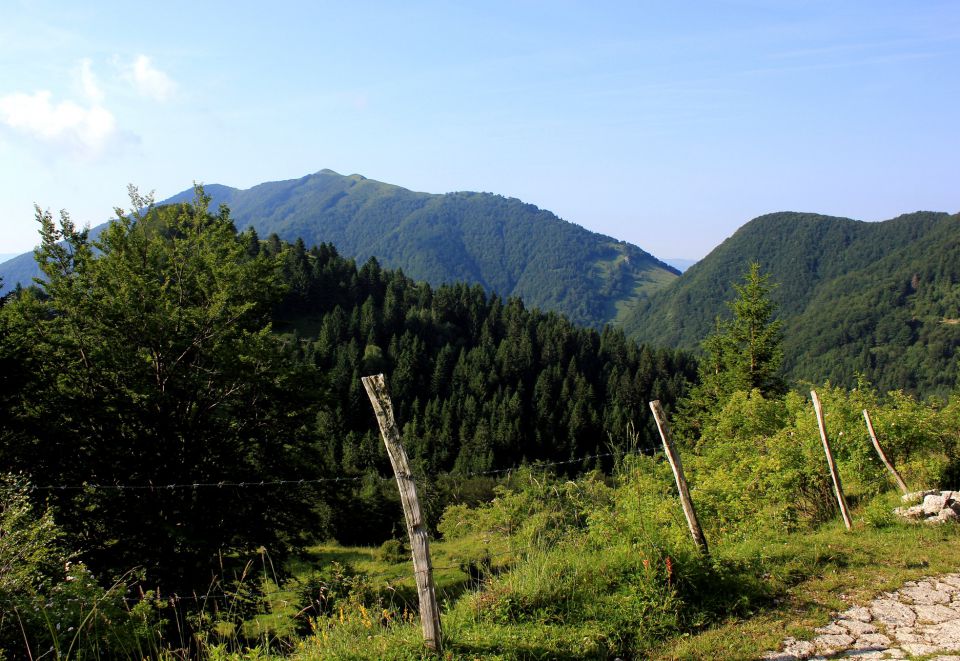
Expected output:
(154, 364)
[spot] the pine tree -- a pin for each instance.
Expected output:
(751, 347)
(744, 353)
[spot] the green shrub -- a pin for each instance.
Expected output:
(393, 551)
(533, 509)
(878, 513)
(48, 602)
(760, 465)
(323, 592)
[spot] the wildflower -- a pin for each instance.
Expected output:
(365, 617)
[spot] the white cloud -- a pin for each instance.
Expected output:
(88, 81)
(85, 130)
(148, 80)
(80, 128)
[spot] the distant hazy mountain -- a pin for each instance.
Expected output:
(680, 263)
(22, 269)
(509, 247)
(881, 299)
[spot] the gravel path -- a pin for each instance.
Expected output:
(920, 619)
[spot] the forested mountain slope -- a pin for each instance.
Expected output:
(186, 353)
(480, 383)
(881, 299)
(506, 246)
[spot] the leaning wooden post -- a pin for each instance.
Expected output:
(376, 389)
(837, 489)
(883, 456)
(674, 458)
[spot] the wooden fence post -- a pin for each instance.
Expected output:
(883, 456)
(674, 458)
(837, 489)
(376, 388)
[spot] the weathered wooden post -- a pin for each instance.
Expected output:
(674, 458)
(883, 456)
(376, 388)
(837, 489)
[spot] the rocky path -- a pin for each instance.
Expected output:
(921, 619)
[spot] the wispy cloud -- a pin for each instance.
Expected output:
(88, 82)
(148, 80)
(84, 125)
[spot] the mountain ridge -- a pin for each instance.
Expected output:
(855, 297)
(508, 246)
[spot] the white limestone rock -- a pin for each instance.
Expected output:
(857, 628)
(948, 514)
(890, 612)
(916, 496)
(830, 643)
(933, 503)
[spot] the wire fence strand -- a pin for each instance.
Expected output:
(226, 484)
(249, 484)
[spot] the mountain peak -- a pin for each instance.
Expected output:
(509, 247)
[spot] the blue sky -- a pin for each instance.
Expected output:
(668, 125)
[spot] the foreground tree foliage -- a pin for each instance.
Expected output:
(152, 362)
(52, 605)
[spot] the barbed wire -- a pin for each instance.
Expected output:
(224, 484)
(245, 484)
(195, 598)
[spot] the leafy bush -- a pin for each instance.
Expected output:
(754, 469)
(326, 590)
(760, 465)
(533, 509)
(393, 551)
(878, 513)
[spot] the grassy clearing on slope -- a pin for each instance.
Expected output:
(624, 309)
(573, 601)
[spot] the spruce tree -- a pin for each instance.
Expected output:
(744, 353)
